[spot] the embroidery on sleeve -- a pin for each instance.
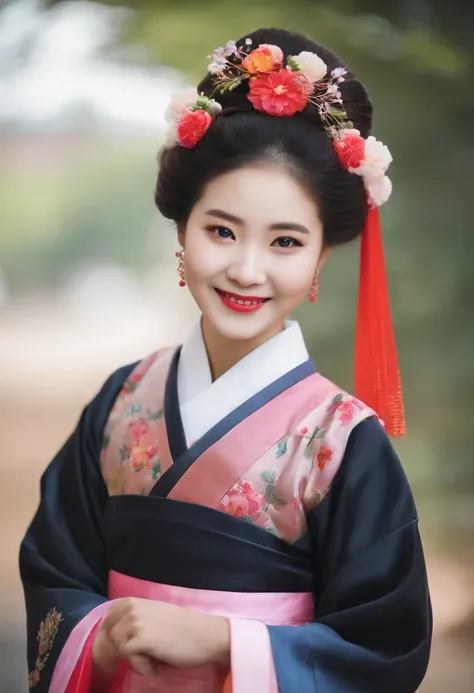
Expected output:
(47, 632)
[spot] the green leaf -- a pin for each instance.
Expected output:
(248, 519)
(123, 454)
(280, 501)
(282, 447)
(270, 494)
(291, 62)
(154, 416)
(105, 441)
(134, 409)
(156, 470)
(268, 477)
(338, 398)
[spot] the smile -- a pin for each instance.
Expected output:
(241, 304)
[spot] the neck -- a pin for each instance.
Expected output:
(223, 353)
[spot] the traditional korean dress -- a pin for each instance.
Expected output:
(269, 496)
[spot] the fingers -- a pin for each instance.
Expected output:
(142, 664)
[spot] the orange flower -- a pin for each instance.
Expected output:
(265, 58)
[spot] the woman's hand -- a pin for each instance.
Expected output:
(146, 632)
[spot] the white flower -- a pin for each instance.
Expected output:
(179, 104)
(338, 72)
(311, 66)
(379, 189)
(230, 48)
(377, 158)
(248, 41)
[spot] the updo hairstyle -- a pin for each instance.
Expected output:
(241, 136)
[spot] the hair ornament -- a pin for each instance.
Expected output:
(283, 90)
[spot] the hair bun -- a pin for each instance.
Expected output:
(355, 97)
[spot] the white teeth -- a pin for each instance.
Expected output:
(242, 303)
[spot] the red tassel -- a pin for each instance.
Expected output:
(377, 376)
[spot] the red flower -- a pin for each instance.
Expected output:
(280, 93)
(350, 149)
(192, 127)
(324, 456)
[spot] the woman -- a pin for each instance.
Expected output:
(223, 515)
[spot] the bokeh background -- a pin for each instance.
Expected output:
(87, 267)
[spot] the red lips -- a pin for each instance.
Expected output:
(241, 304)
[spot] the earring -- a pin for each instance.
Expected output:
(180, 256)
(314, 288)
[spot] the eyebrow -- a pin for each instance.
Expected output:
(279, 226)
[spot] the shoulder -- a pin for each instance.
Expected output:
(348, 444)
(372, 474)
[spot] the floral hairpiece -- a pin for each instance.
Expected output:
(283, 90)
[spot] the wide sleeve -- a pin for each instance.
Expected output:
(373, 623)
(62, 561)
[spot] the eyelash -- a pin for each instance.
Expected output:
(294, 243)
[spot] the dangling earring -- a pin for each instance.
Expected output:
(180, 255)
(314, 288)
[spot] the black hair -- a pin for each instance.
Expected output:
(242, 136)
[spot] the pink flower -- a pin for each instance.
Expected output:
(279, 93)
(346, 412)
(304, 431)
(242, 500)
(234, 505)
(144, 448)
(192, 127)
(138, 429)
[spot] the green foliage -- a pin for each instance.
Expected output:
(100, 209)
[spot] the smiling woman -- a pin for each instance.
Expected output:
(224, 517)
(240, 250)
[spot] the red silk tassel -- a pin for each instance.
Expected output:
(377, 376)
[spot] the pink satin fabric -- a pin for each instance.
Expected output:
(230, 458)
(71, 651)
(251, 654)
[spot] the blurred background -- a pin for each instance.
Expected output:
(87, 269)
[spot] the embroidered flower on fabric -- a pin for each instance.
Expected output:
(243, 501)
(143, 448)
(46, 634)
(324, 456)
(345, 408)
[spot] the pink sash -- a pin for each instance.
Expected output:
(251, 655)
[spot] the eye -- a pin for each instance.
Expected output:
(286, 242)
(221, 231)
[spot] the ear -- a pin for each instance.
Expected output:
(325, 253)
(181, 235)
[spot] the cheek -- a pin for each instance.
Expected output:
(201, 261)
(294, 278)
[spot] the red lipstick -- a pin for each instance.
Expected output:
(241, 304)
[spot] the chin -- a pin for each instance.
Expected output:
(245, 328)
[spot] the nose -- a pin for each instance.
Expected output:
(246, 267)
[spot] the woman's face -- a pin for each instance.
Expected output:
(252, 245)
